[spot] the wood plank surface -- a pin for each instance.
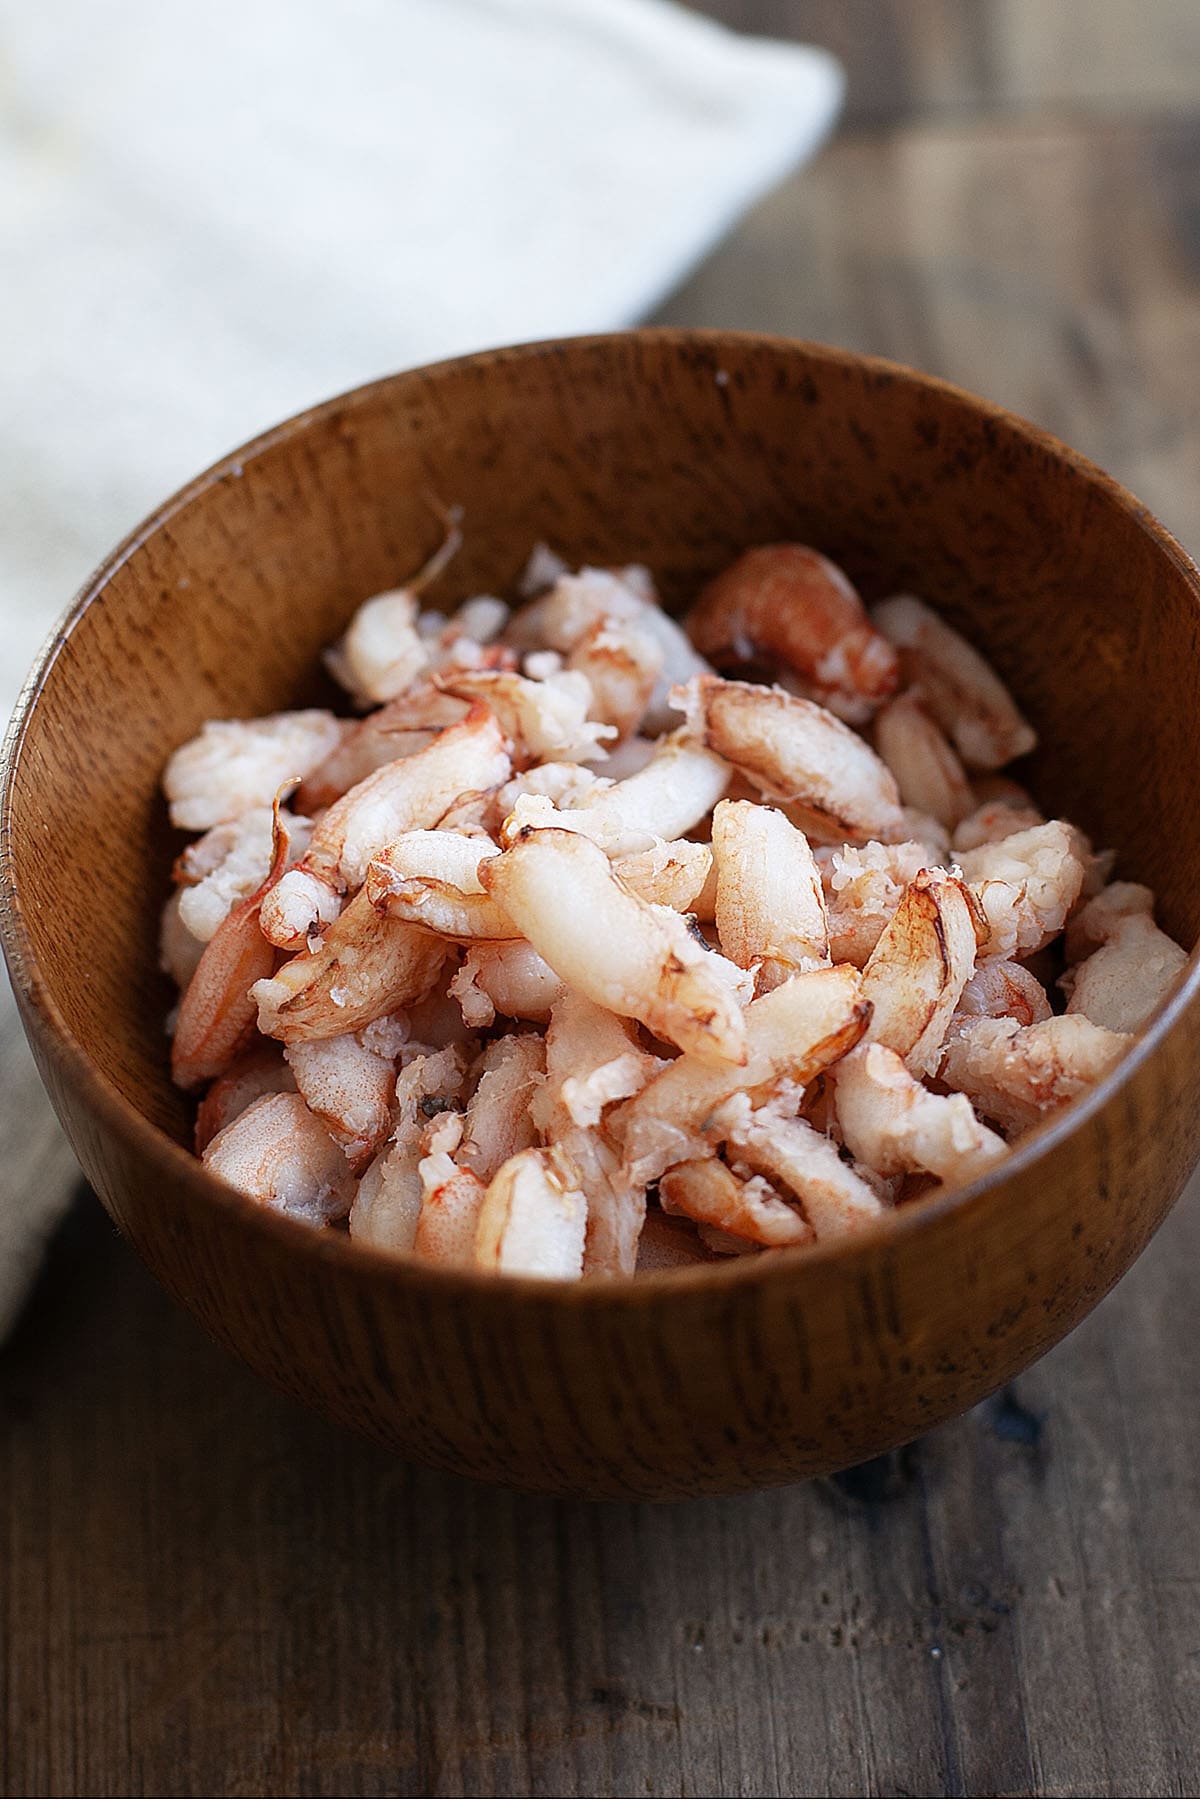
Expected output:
(205, 1590)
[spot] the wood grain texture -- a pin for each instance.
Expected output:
(207, 1590)
(202, 1588)
(937, 58)
(716, 1378)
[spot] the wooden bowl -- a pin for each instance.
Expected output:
(677, 449)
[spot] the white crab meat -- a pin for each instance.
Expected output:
(235, 764)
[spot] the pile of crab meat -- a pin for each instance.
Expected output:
(577, 952)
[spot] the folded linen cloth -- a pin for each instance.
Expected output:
(219, 211)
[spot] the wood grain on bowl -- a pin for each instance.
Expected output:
(677, 449)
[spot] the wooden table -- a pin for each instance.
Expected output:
(204, 1590)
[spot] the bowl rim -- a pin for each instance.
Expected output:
(785, 1266)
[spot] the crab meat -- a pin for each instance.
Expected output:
(796, 754)
(591, 1061)
(498, 1118)
(350, 1089)
(627, 955)
(711, 1194)
(622, 662)
(678, 788)
(862, 887)
(792, 1033)
(1004, 990)
(929, 775)
(769, 908)
(1017, 1075)
(547, 719)
(533, 1218)
(917, 971)
(787, 606)
(279, 1153)
(259, 1070)
(965, 695)
(1133, 967)
(578, 603)
(509, 979)
(893, 1124)
(451, 1197)
(388, 1203)
(236, 764)
(364, 966)
(431, 878)
(1025, 885)
(799, 1160)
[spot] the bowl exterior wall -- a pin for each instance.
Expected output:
(714, 1387)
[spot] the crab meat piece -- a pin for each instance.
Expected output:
(711, 1194)
(279, 1153)
(365, 965)
(498, 1118)
(215, 1020)
(534, 1218)
(258, 1071)
(1004, 990)
(398, 729)
(1099, 921)
(629, 956)
(917, 971)
(929, 775)
(235, 764)
(179, 952)
(799, 1161)
(769, 907)
(451, 1197)
(672, 874)
(388, 1203)
(408, 795)
(797, 754)
(402, 796)
(1025, 885)
(547, 720)
(562, 783)
(367, 744)
(1001, 808)
(792, 1034)
(228, 863)
(431, 878)
(678, 788)
(1016, 1075)
(350, 1089)
(622, 662)
(591, 1061)
(894, 1125)
(508, 979)
(382, 653)
(578, 603)
(964, 693)
(1133, 967)
(786, 604)
(862, 887)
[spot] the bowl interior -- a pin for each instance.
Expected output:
(670, 448)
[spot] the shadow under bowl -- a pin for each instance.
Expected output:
(677, 449)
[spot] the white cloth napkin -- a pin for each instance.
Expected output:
(215, 212)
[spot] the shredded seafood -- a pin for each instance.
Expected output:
(601, 943)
